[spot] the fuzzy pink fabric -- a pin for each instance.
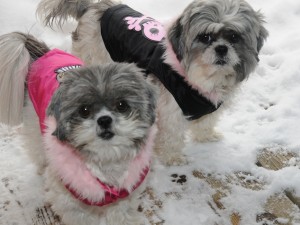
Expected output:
(42, 81)
(141, 161)
(171, 59)
(67, 165)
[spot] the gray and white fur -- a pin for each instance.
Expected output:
(104, 112)
(216, 43)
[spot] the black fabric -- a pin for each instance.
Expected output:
(192, 104)
(126, 45)
(122, 44)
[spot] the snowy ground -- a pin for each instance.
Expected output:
(266, 115)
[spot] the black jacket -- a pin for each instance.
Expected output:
(129, 36)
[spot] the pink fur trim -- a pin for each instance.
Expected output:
(67, 165)
(141, 161)
(171, 59)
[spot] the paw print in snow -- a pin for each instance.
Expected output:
(179, 179)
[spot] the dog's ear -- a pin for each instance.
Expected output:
(175, 36)
(60, 133)
(263, 34)
(55, 111)
(152, 95)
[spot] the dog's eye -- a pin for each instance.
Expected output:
(122, 106)
(205, 38)
(234, 38)
(84, 111)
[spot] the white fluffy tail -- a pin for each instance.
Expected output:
(58, 11)
(15, 60)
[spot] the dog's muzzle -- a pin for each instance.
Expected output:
(105, 123)
(221, 52)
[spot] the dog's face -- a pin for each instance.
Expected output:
(104, 110)
(218, 38)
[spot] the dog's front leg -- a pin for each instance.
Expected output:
(171, 131)
(203, 129)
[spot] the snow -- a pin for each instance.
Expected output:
(265, 114)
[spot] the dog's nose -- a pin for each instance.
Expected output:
(221, 50)
(104, 121)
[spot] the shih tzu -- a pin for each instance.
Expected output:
(90, 129)
(199, 60)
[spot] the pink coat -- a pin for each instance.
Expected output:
(42, 81)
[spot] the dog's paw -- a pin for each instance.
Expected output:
(213, 136)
